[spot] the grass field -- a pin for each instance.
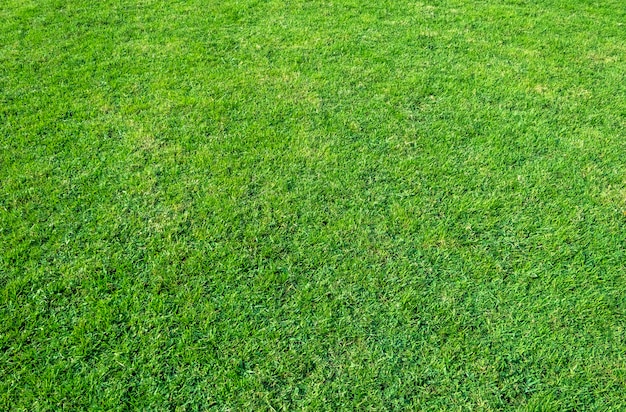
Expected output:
(312, 205)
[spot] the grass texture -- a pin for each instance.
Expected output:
(312, 205)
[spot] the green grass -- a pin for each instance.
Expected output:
(312, 205)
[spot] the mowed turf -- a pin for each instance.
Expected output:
(312, 205)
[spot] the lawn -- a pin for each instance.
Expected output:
(312, 205)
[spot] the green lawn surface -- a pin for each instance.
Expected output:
(240, 205)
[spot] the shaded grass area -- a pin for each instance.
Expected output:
(247, 205)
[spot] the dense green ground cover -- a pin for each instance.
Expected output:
(250, 205)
